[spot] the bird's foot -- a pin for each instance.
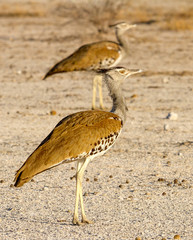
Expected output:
(86, 221)
(75, 221)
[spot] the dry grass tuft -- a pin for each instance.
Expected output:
(178, 25)
(137, 15)
(22, 10)
(99, 13)
(179, 21)
(166, 73)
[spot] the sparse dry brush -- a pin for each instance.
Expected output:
(103, 12)
(18, 9)
(179, 21)
(99, 13)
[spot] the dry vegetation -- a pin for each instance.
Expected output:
(22, 10)
(179, 21)
(102, 13)
(99, 13)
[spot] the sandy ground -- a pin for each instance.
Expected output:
(143, 186)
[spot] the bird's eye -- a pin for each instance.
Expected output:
(122, 71)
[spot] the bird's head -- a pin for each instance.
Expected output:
(123, 26)
(119, 74)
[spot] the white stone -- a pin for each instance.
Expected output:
(166, 127)
(172, 116)
(165, 80)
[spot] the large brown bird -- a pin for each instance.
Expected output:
(96, 56)
(80, 137)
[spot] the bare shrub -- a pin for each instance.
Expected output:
(97, 12)
(179, 21)
(178, 25)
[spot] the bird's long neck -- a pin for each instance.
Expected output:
(119, 106)
(122, 40)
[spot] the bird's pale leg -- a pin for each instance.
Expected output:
(81, 172)
(75, 218)
(94, 84)
(100, 78)
(81, 166)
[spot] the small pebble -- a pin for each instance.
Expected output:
(177, 237)
(175, 181)
(134, 96)
(87, 179)
(2, 181)
(147, 193)
(166, 127)
(180, 154)
(164, 193)
(72, 168)
(11, 185)
(130, 198)
(168, 163)
(110, 176)
(165, 80)
(127, 181)
(9, 209)
(184, 181)
(32, 180)
(95, 179)
(138, 238)
(163, 239)
(172, 116)
(161, 180)
(52, 112)
(121, 186)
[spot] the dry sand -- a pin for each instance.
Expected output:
(144, 184)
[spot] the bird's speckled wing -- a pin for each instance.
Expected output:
(73, 138)
(89, 57)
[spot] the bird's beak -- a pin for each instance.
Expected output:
(133, 71)
(132, 26)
